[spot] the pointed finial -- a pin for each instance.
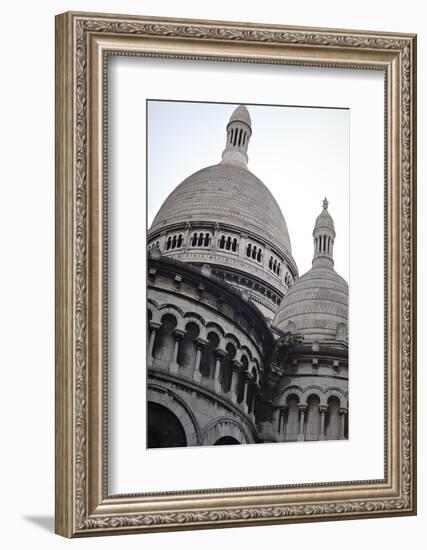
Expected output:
(239, 131)
(324, 236)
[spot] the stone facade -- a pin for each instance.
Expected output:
(240, 348)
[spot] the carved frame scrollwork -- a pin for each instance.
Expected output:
(83, 42)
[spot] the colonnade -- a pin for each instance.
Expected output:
(227, 370)
(311, 420)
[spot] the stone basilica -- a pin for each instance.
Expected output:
(241, 349)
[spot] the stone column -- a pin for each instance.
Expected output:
(214, 243)
(236, 366)
(178, 335)
(245, 393)
(186, 236)
(242, 245)
(342, 413)
(282, 418)
(302, 409)
(322, 411)
(162, 241)
(219, 354)
(200, 343)
(256, 390)
(276, 418)
(154, 329)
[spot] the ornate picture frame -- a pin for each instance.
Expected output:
(84, 42)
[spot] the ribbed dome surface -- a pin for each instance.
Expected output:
(226, 193)
(316, 305)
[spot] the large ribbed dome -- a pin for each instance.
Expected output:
(316, 306)
(226, 193)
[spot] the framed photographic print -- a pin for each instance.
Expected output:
(235, 274)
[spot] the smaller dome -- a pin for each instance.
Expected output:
(324, 220)
(316, 306)
(241, 114)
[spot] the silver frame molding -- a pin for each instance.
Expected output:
(83, 43)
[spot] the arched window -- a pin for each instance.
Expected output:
(258, 257)
(179, 244)
(278, 269)
(164, 429)
(200, 240)
(174, 242)
(194, 240)
(208, 360)
(164, 343)
(206, 241)
(221, 242)
(168, 243)
(234, 245)
(249, 250)
(270, 263)
(228, 244)
(187, 349)
(227, 440)
(254, 252)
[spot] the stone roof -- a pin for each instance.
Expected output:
(230, 194)
(316, 306)
(241, 114)
(324, 220)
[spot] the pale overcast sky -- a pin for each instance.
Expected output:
(300, 153)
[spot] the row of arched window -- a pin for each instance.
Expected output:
(228, 243)
(254, 252)
(174, 242)
(152, 245)
(274, 265)
(200, 239)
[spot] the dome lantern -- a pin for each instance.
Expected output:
(324, 237)
(239, 131)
